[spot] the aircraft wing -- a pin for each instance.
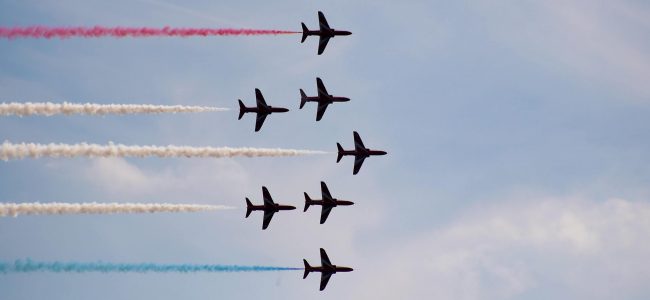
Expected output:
(325, 261)
(325, 191)
(321, 110)
(324, 213)
(358, 161)
(322, 91)
(322, 43)
(260, 121)
(268, 215)
(260, 99)
(358, 143)
(322, 21)
(267, 197)
(324, 279)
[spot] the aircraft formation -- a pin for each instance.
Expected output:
(261, 110)
(269, 207)
(323, 99)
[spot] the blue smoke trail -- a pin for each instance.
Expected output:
(25, 266)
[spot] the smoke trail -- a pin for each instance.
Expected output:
(120, 32)
(49, 109)
(10, 151)
(25, 266)
(15, 209)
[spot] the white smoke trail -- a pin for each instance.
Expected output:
(10, 151)
(15, 209)
(49, 109)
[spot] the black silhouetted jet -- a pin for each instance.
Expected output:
(360, 153)
(262, 109)
(326, 270)
(269, 207)
(324, 99)
(325, 33)
(327, 202)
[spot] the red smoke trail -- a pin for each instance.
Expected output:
(120, 32)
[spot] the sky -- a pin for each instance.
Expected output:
(517, 135)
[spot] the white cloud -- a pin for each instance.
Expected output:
(118, 174)
(175, 182)
(566, 246)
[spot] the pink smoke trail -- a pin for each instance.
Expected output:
(120, 32)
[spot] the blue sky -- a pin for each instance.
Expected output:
(517, 135)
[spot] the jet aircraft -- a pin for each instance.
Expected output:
(269, 207)
(324, 99)
(360, 153)
(326, 269)
(262, 110)
(327, 203)
(325, 33)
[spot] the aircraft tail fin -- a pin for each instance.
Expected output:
(305, 32)
(340, 148)
(249, 207)
(242, 109)
(307, 202)
(303, 98)
(307, 269)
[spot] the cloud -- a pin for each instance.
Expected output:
(118, 174)
(553, 246)
(203, 180)
(601, 41)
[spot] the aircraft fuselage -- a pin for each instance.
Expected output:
(332, 202)
(329, 99)
(363, 152)
(328, 33)
(333, 269)
(266, 111)
(273, 208)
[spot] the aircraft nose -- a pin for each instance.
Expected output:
(347, 33)
(284, 110)
(291, 207)
(383, 152)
